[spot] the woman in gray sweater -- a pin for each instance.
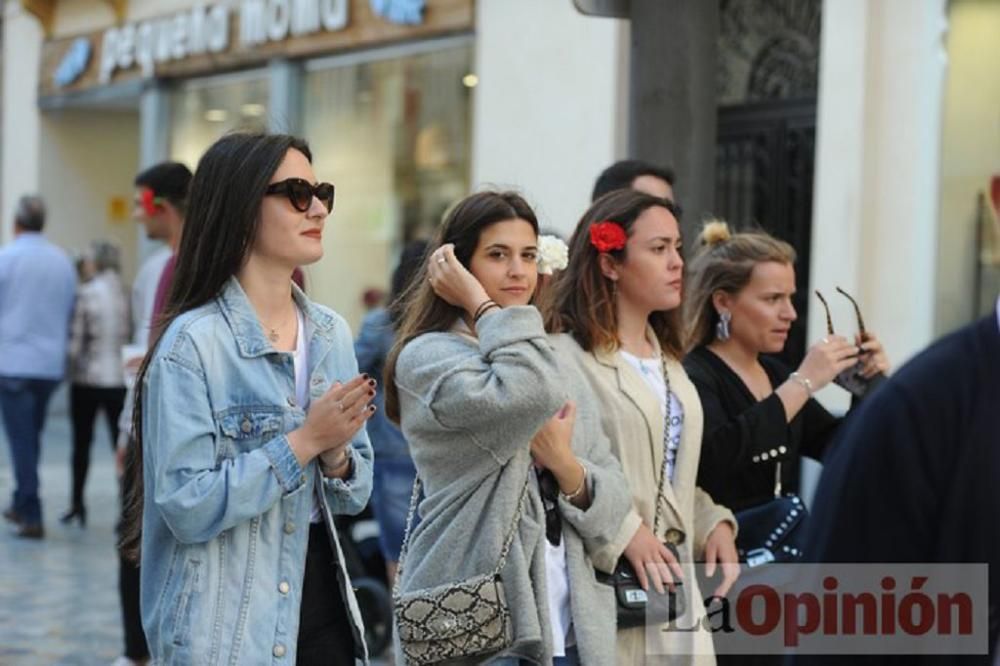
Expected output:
(489, 409)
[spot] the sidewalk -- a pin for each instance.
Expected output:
(59, 595)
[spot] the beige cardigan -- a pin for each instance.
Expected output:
(633, 420)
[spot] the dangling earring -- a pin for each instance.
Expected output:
(722, 331)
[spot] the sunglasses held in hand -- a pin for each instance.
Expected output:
(852, 379)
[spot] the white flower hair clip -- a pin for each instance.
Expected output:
(553, 254)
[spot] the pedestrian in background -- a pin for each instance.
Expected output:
(394, 470)
(100, 328)
(37, 290)
(160, 201)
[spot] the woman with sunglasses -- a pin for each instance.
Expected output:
(250, 431)
(758, 413)
(506, 441)
(617, 306)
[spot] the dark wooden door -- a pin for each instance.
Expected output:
(764, 178)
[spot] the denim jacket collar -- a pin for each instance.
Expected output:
(249, 334)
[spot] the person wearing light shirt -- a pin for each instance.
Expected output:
(37, 292)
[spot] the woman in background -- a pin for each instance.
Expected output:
(99, 330)
(394, 470)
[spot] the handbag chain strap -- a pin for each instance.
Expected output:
(508, 540)
(660, 491)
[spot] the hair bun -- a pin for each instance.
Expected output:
(715, 232)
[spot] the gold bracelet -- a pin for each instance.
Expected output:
(583, 484)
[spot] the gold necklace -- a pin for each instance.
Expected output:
(273, 334)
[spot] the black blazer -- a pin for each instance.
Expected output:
(745, 439)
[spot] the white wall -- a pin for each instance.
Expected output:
(882, 68)
(548, 111)
(86, 157)
(970, 151)
(22, 45)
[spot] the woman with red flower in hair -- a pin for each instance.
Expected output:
(616, 307)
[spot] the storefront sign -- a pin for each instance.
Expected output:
(202, 30)
(237, 33)
(161, 40)
(405, 12)
(74, 64)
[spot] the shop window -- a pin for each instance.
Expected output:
(393, 134)
(202, 110)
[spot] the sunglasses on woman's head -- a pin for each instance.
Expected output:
(300, 193)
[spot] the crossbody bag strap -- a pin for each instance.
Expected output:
(508, 539)
(660, 491)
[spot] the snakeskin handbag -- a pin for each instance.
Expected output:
(462, 619)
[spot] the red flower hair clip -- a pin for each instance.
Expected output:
(149, 201)
(607, 236)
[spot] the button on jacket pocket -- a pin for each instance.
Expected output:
(247, 428)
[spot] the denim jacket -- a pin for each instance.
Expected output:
(227, 506)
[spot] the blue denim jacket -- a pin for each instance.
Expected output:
(227, 506)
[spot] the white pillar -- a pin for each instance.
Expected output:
(882, 67)
(549, 111)
(22, 48)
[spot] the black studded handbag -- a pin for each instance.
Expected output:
(774, 531)
(467, 618)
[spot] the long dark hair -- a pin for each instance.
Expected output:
(423, 311)
(583, 298)
(219, 230)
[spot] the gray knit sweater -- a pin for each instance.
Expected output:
(469, 410)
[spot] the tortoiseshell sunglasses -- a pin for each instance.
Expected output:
(857, 311)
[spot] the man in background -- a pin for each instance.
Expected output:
(37, 291)
(636, 175)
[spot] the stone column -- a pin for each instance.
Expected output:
(672, 115)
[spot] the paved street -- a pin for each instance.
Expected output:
(59, 596)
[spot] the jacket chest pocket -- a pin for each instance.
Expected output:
(246, 429)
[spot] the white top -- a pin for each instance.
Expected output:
(300, 361)
(557, 583)
(651, 370)
(144, 294)
(557, 586)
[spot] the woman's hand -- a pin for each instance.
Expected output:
(452, 281)
(827, 359)
(551, 447)
(652, 561)
(874, 359)
(720, 547)
(333, 420)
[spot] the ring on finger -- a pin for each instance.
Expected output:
(340, 406)
(441, 260)
(826, 341)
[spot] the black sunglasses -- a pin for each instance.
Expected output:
(301, 192)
